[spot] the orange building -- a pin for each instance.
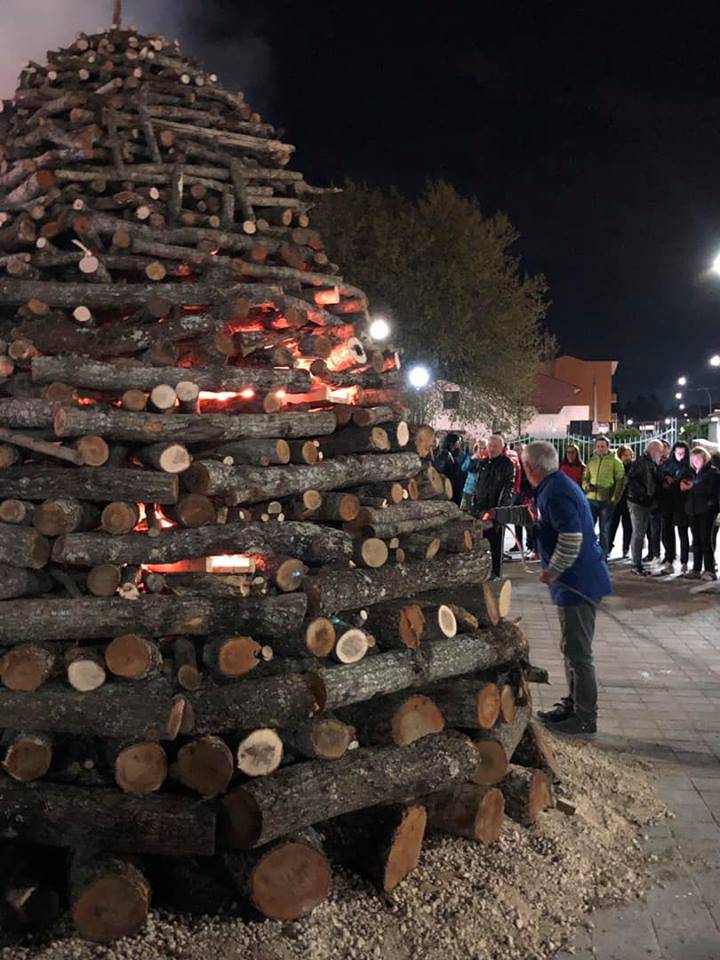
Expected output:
(593, 378)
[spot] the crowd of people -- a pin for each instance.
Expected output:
(663, 503)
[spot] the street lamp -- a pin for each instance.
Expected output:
(682, 381)
(630, 422)
(379, 329)
(418, 376)
(681, 406)
(715, 360)
(678, 396)
(668, 421)
(716, 264)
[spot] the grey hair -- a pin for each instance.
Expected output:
(652, 445)
(541, 456)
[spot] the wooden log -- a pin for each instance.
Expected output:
(308, 793)
(86, 483)
(480, 602)
(527, 793)
(23, 547)
(27, 413)
(104, 580)
(420, 549)
(206, 766)
(91, 618)
(352, 440)
(144, 710)
(27, 756)
(85, 669)
(259, 752)
(29, 898)
(94, 451)
(170, 457)
(397, 624)
(404, 518)
(382, 844)
(119, 517)
(440, 621)
(497, 747)
(316, 638)
(534, 750)
(191, 510)
(27, 666)
(391, 492)
(186, 427)
(467, 810)
(422, 440)
(132, 657)
(260, 452)
(16, 511)
(351, 645)
(21, 582)
(370, 552)
(253, 485)
(140, 768)
(398, 719)
(397, 670)
(55, 517)
(275, 701)
(467, 702)
(332, 590)
(231, 657)
(95, 375)
(187, 674)
(339, 507)
(262, 876)
(87, 818)
(109, 896)
(321, 738)
(39, 446)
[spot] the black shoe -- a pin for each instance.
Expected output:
(576, 727)
(648, 558)
(560, 711)
(641, 572)
(515, 549)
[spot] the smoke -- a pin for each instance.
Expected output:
(32, 27)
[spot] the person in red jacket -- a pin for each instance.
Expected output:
(572, 464)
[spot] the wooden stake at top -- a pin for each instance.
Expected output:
(117, 15)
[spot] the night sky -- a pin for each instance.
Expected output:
(596, 129)
(595, 126)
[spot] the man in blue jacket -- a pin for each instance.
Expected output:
(575, 569)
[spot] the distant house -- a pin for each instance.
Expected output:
(568, 390)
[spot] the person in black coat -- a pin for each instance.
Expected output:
(494, 488)
(621, 514)
(672, 505)
(701, 506)
(449, 462)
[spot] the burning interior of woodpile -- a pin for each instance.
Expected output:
(247, 638)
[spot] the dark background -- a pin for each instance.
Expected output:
(595, 126)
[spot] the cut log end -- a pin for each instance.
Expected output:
(28, 757)
(351, 646)
(141, 768)
(320, 637)
(331, 738)
(507, 703)
(237, 656)
(417, 717)
(492, 762)
(488, 706)
(260, 753)
(206, 766)
(111, 899)
(406, 846)
(290, 881)
(131, 656)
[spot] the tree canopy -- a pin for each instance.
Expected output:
(447, 278)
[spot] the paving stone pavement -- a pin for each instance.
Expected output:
(658, 666)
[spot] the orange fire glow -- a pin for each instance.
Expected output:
(220, 397)
(231, 563)
(324, 297)
(161, 520)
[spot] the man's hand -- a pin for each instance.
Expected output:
(546, 577)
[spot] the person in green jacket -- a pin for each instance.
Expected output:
(603, 484)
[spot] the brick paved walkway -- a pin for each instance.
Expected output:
(659, 673)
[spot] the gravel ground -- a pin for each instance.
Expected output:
(520, 899)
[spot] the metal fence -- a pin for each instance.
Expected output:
(586, 444)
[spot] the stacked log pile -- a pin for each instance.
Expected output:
(243, 632)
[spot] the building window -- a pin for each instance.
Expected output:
(451, 400)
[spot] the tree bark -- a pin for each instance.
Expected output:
(88, 818)
(302, 540)
(87, 483)
(527, 793)
(332, 590)
(321, 738)
(398, 719)
(480, 601)
(308, 793)
(109, 896)
(397, 670)
(382, 844)
(95, 375)
(467, 702)
(27, 414)
(257, 453)
(96, 618)
(55, 517)
(534, 750)
(398, 624)
(22, 582)
(467, 810)
(388, 491)
(187, 427)
(253, 485)
(405, 518)
(278, 701)
(27, 666)
(286, 879)
(23, 547)
(496, 747)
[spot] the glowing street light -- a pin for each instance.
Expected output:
(418, 376)
(630, 422)
(682, 381)
(379, 329)
(668, 421)
(715, 360)
(716, 264)
(681, 406)
(678, 396)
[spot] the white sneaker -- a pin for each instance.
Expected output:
(668, 568)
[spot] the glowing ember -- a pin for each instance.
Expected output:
(248, 393)
(280, 394)
(232, 563)
(161, 520)
(222, 396)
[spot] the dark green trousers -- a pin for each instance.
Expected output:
(577, 626)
